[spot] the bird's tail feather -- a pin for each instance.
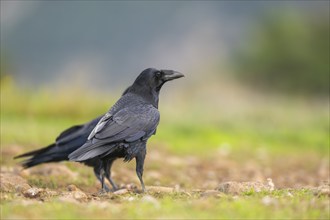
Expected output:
(36, 152)
(43, 155)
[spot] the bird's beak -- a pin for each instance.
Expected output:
(171, 74)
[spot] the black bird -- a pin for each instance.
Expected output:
(124, 130)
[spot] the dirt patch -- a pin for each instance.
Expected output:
(221, 175)
(323, 190)
(10, 182)
(54, 170)
(74, 196)
(241, 187)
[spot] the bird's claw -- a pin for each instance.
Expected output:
(103, 192)
(141, 191)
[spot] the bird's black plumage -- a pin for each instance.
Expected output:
(125, 129)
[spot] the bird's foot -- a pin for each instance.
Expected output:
(114, 187)
(141, 191)
(103, 192)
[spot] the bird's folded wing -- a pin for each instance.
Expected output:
(127, 125)
(102, 122)
(68, 133)
(78, 131)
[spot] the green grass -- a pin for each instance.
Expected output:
(183, 136)
(301, 206)
(36, 118)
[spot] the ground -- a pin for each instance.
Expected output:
(265, 159)
(178, 187)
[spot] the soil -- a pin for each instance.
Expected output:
(215, 176)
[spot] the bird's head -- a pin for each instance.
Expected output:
(149, 83)
(155, 79)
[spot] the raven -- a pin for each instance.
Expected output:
(124, 130)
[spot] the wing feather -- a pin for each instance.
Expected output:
(127, 125)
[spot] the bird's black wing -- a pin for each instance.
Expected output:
(68, 132)
(127, 125)
(77, 131)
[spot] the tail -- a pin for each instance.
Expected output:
(35, 152)
(67, 142)
(43, 155)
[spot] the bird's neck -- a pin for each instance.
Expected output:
(152, 97)
(149, 95)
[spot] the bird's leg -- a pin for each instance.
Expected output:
(139, 166)
(101, 172)
(107, 169)
(102, 180)
(97, 172)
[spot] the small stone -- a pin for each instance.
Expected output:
(72, 187)
(131, 187)
(79, 195)
(323, 190)
(74, 196)
(32, 193)
(121, 192)
(270, 184)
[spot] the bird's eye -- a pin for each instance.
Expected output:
(158, 74)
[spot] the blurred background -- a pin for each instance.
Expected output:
(275, 45)
(254, 103)
(257, 72)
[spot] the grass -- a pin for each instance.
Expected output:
(283, 128)
(35, 118)
(275, 205)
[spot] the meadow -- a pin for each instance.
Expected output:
(237, 154)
